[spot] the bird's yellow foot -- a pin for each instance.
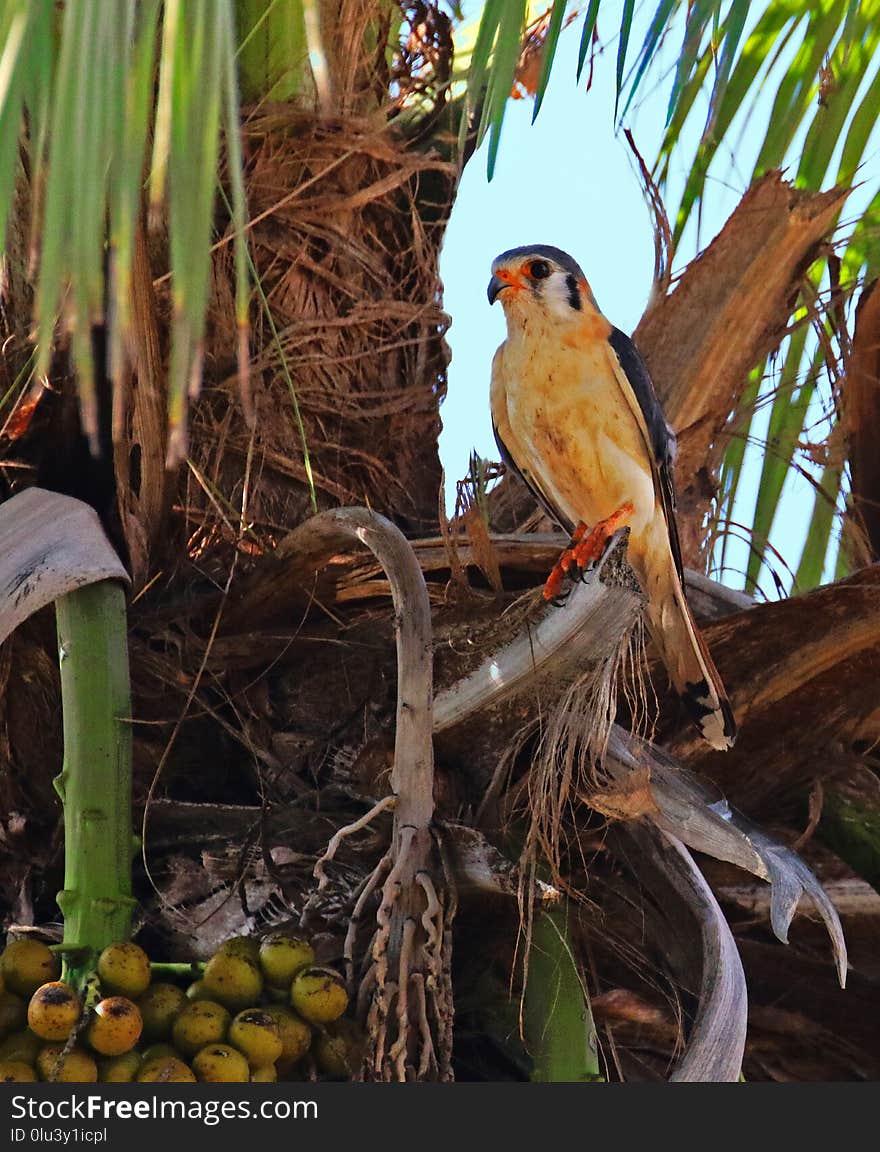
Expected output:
(585, 549)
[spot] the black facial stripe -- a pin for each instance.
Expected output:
(574, 296)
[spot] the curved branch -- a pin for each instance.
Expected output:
(717, 1038)
(53, 548)
(320, 539)
(409, 923)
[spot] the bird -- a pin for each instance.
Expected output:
(576, 415)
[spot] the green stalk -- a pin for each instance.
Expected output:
(177, 969)
(557, 1021)
(95, 782)
(850, 826)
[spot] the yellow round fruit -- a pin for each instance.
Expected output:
(22, 1046)
(264, 1075)
(13, 1013)
(159, 1051)
(282, 956)
(54, 1010)
(256, 1034)
(296, 1035)
(16, 1072)
(119, 1069)
(245, 946)
(319, 995)
(332, 1056)
(74, 1067)
(235, 981)
(26, 964)
(220, 1064)
(160, 1005)
(124, 970)
(115, 1026)
(171, 1070)
(201, 1022)
(197, 991)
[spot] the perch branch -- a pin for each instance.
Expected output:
(591, 623)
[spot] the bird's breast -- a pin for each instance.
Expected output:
(570, 426)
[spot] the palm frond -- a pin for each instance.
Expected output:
(85, 91)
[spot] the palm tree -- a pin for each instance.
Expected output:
(236, 298)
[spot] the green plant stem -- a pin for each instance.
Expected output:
(95, 782)
(557, 1022)
(850, 825)
(179, 969)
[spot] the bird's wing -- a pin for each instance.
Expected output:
(638, 389)
(531, 483)
(511, 451)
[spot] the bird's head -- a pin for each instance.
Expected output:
(539, 276)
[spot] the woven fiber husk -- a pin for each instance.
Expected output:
(347, 226)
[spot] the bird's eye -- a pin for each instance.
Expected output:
(539, 269)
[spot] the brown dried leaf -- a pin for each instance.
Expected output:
(629, 798)
(483, 552)
(140, 422)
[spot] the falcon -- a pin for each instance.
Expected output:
(575, 414)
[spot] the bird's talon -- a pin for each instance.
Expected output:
(553, 586)
(590, 548)
(584, 552)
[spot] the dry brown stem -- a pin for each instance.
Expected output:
(411, 917)
(861, 414)
(140, 417)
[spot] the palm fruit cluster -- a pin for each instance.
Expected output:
(261, 1011)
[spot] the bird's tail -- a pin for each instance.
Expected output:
(691, 669)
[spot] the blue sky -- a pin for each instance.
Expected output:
(569, 180)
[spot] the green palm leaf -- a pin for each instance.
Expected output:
(88, 94)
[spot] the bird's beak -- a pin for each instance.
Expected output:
(496, 286)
